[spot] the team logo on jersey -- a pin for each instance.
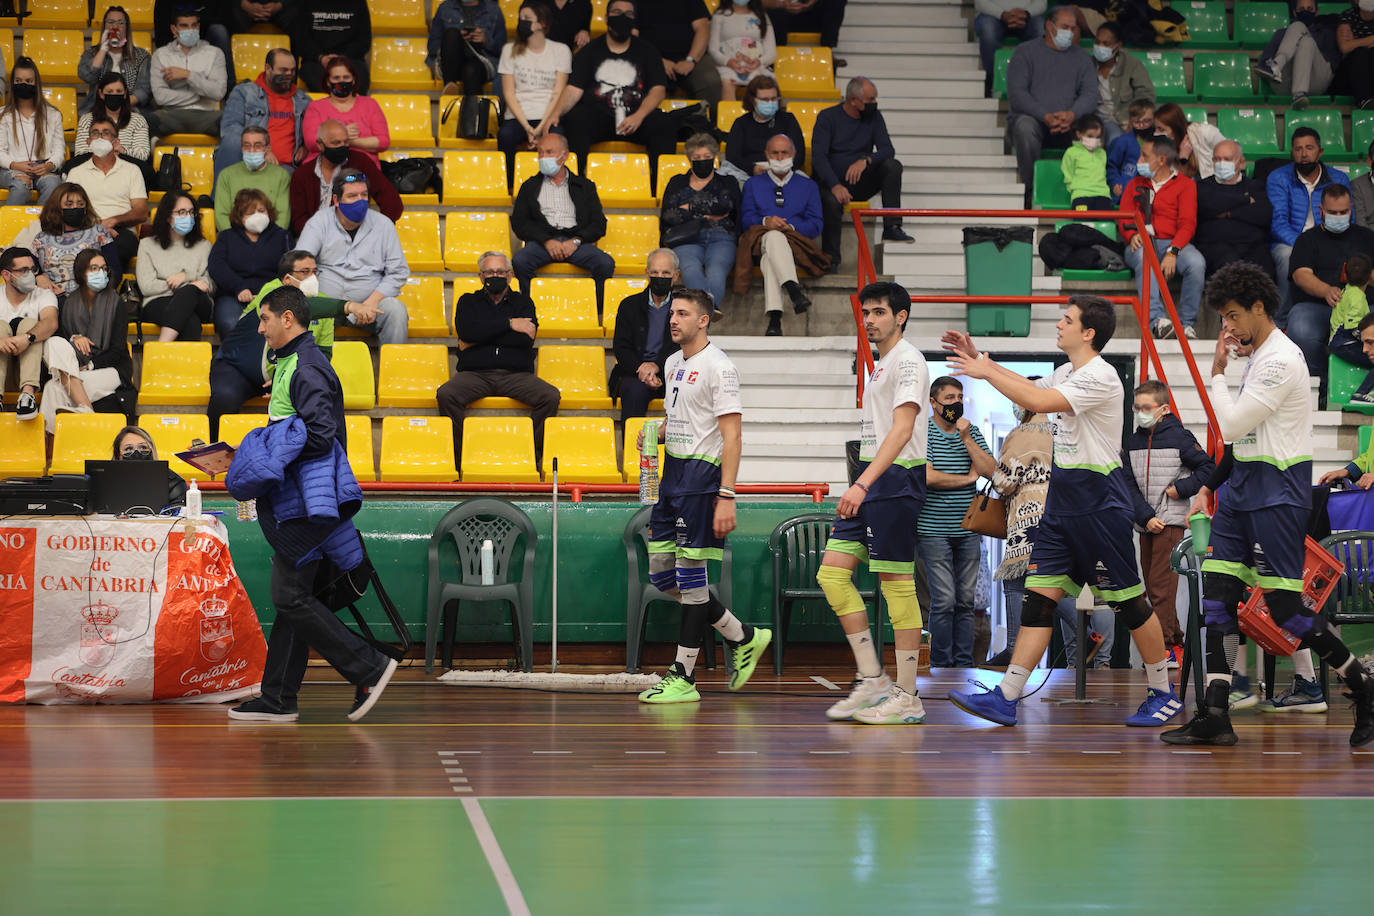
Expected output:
(691, 379)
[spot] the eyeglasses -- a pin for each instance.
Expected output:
(183, 212)
(777, 195)
(21, 271)
(301, 273)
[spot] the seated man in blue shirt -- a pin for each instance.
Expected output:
(786, 205)
(852, 158)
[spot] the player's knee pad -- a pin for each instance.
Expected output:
(1221, 594)
(1134, 611)
(691, 581)
(663, 571)
(903, 607)
(1290, 613)
(837, 584)
(1037, 610)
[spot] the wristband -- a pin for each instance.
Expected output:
(861, 486)
(726, 493)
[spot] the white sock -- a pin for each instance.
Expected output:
(907, 662)
(1218, 677)
(730, 627)
(1157, 674)
(687, 658)
(1014, 682)
(865, 653)
(1302, 665)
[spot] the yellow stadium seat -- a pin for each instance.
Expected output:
(806, 73)
(598, 18)
(466, 237)
(511, 9)
(499, 449)
(207, 224)
(398, 17)
(399, 63)
(429, 198)
(566, 306)
(449, 108)
(197, 167)
(14, 220)
(677, 104)
(140, 12)
(618, 289)
(584, 447)
(475, 178)
(629, 239)
(174, 432)
(352, 361)
(806, 114)
(359, 431)
(24, 452)
(424, 301)
(410, 374)
(63, 98)
(630, 454)
(621, 179)
(579, 374)
(80, 436)
(234, 426)
(250, 51)
(727, 112)
(176, 373)
(668, 166)
(57, 14)
(409, 118)
(418, 449)
(419, 235)
(55, 52)
(7, 44)
(527, 166)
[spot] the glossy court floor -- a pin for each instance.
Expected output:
(473, 800)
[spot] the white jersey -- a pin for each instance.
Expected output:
(698, 391)
(1087, 477)
(900, 377)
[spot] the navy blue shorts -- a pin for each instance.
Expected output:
(1264, 547)
(684, 523)
(1095, 550)
(883, 534)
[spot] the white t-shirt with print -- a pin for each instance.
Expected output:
(535, 75)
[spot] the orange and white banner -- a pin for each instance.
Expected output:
(104, 610)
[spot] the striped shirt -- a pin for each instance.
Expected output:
(943, 512)
(555, 200)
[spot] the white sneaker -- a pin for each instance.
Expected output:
(866, 692)
(1189, 333)
(900, 708)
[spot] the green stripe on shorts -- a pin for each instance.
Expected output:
(853, 548)
(700, 553)
(1242, 572)
(1069, 586)
(893, 566)
(1279, 584)
(662, 547)
(1122, 594)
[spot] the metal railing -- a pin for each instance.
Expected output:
(817, 491)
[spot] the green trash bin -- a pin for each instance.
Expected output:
(997, 262)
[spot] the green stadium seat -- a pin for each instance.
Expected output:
(1365, 433)
(1166, 72)
(1361, 132)
(1000, 61)
(1342, 378)
(1356, 169)
(1325, 121)
(1049, 191)
(1257, 22)
(1253, 128)
(1069, 275)
(1196, 114)
(1222, 77)
(1206, 25)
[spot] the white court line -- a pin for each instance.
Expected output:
(457, 771)
(1011, 752)
(550, 752)
(1201, 753)
(458, 779)
(736, 752)
(828, 685)
(505, 878)
(646, 752)
(462, 788)
(1283, 753)
(920, 752)
(456, 753)
(838, 753)
(1099, 752)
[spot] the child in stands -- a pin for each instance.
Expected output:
(1124, 151)
(1345, 319)
(1085, 166)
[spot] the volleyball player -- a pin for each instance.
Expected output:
(877, 516)
(1084, 536)
(696, 497)
(1260, 527)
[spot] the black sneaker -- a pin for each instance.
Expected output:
(896, 234)
(800, 301)
(27, 408)
(1364, 713)
(774, 325)
(1212, 722)
(998, 662)
(366, 697)
(259, 710)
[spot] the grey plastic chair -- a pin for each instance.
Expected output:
(640, 592)
(469, 524)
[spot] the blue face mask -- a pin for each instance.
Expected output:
(183, 224)
(1102, 53)
(1142, 168)
(1063, 39)
(97, 279)
(254, 160)
(766, 109)
(1336, 223)
(1225, 170)
(189, 38)
(354, 212)
(548, 166)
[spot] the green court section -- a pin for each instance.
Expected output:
(686, 855)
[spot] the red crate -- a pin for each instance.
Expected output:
(1320, 573)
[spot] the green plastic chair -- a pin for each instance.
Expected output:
(1222, 77)
(1356, 169)
(1257, 22)
(1000, 60)
(1253, 128)
(1206, 25)
(1361, 132)
(1166, 72)
(1342, 378)
(1070, 275)
(1049, 192)
(1195, 113)
(1325, 121)
(1365, 433)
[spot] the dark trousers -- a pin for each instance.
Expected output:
(126, 243)
(226, 314)
(230, 389)
(312, 74)
(302, 624)
(529, 259)
(635, 397)
(1220, 253)
(183, 311)
(1357, 74)
(1161, 582)
(1092, 203)
(460, 62)
(884, 176)
(591, 122)
(825, 17)
(472, 385)
(1346, 345)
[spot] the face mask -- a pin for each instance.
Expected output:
(766, 108)
(97, 280)
(25, 91)
(337, 155)
(256, 222)
(1144, 133)
(524, 28)
(341, 90)
(1336, 223)
(142, 453)
(354, 212)
(309, 287)
(660, 286)
(495, 286)
(73, 216)
(254, 160)
(1145, 418)
(189, 38)
(1021, 414)
(24, 283)
(548, 166)
(703, 167)
(1091, 143)
(1306, 17)
(952, 412)
(620, 26)
(1225, 170)
(780, 167)
(114, 102)
(1102, 53)
(1308, 168)
(100, 147)
(1142, 168)
(1063, 38)
(279, 82)
(183, 224)
(869, 111)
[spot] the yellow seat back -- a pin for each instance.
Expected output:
(80, 436)
(408, 375)
(175, 373)
(499, 449)
(566, 306)
(578, 372)
(174, 432)
(418, 449)
(352, 361)
(466, 237)
(584, 447)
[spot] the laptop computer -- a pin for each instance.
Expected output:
(117, 487)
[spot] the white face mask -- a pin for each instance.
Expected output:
(256, 222)
(100, 147)
(1146, 418)
(310, 286)
(1091, 143)
(780, 167)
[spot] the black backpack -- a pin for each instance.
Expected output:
(169, 173)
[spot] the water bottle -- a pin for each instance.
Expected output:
(192, 509)
(488, 561)
(648, 465)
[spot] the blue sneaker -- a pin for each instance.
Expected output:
(1159, 707)
(1241, 696)
(989, 704)
(1303, 696)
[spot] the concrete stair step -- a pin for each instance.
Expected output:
(906, 15)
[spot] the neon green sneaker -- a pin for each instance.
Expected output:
(745, 657)
(675, 687)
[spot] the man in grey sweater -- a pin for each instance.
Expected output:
(1050, 84)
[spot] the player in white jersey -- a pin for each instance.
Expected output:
(1084, 536)
(696, 498)
(876, 518)
(1260, 527)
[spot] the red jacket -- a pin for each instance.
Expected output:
(305, 189)
(1173, 212)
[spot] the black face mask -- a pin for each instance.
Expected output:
(660, 286)
(1307, 168)
(703, 167)
(620, 26)
(114, 102)
(1144, 134)
(1306, 17)
(524, 28)
(280, 82)
(335, 154)
(138, 454)
(868, 111)
(73, 216)
(951, 413)
(341, 90)
(495, 286)
(25, 91)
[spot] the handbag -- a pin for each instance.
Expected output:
(413, 175)
(986, 514)
(684, 233)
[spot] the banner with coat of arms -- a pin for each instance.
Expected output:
(106, 610)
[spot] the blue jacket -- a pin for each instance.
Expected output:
(1122, 156)
(1292, 203)
(247, 107)
(801, 203)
